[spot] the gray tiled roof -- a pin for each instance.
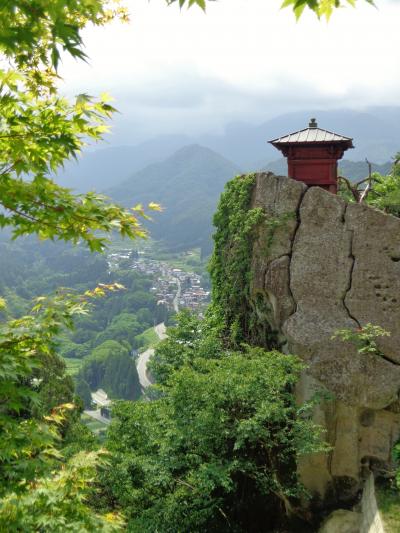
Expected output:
(311, 135)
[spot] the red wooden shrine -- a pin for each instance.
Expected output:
(313, 154)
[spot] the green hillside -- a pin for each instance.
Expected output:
(187, 185)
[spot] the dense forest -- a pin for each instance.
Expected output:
(103, 340)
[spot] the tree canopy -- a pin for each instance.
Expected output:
(32, 497)
(40, 130)
(322, 8)
(222, 437)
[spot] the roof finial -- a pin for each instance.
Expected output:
(313, 123)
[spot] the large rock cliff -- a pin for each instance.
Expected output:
(319, 265)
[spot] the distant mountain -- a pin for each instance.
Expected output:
(101, 169)
(278, 167)
(376, 134)
(357, 170)
(354, 170)
(188, 185)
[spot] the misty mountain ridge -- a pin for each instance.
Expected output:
(104, 168)
(376, 134)
(188, 185)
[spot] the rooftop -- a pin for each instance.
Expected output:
(313, 134)
(100, 398)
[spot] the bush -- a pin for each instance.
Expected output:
(217, 452)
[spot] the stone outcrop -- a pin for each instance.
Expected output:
(320, 265)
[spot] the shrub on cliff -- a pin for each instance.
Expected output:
(217, 450)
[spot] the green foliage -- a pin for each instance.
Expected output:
(29, 270)
(365, 338)
(237, 228)
(388, 499)
(39, 130)
(122, 316)
(230, 265)
(72, 366)
(124, 326)
(189, 3)
(96, 428)
(36, 137)
(190, 339)
(32, 423)
(381, 192)
(78, 438)
(26, 440)
(82, 389)
(58, 503)
(385, 194)
(396, 457)
(222, 440)
(71, 350)
(147, 339)
(322, 8)
(32, 32)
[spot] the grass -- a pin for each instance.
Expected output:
(147, 339)
(389, 506)
(187, 261)
(73, 365)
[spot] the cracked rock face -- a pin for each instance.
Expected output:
(375, 292)
(321, 265)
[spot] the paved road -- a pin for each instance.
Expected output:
(160, 329)
(144, 357)
(97, 416)
(177, 296)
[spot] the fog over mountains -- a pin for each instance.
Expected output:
(186, 175)
(376, 134)
(187, 185)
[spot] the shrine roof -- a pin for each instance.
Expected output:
(313, 134)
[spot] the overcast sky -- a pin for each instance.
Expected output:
(174, 71)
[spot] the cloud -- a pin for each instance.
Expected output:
(185, 72)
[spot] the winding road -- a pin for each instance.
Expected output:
(160, 329)
(175, 303)
(144, 357)
(96, 414)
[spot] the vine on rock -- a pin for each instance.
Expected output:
(230, 265)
